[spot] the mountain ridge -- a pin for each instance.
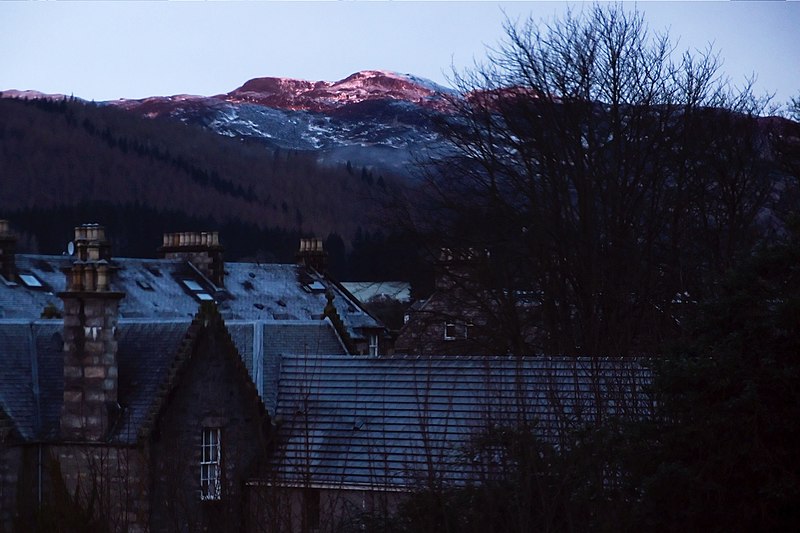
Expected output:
(374, 118)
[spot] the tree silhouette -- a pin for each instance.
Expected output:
(598, 178)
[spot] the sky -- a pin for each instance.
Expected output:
(109, 50)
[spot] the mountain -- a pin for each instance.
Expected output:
(65, 159)
(372, 118)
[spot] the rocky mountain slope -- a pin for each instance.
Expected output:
(377, 119)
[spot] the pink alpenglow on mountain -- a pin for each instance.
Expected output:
(285, 93)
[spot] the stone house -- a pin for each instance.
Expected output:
(358, 435)
(466, 315)
(135, 390)
(189, 394)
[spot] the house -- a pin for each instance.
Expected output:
(121, 398)
(187, 393)
(467, 314)
(357, 435)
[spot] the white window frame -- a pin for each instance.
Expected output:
(449, 327)
(210, 464)
(373, 344)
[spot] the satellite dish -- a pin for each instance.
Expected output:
(70, 248)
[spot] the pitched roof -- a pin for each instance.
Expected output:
(32, 380)
(369, 290)
(26, 352)
(207, 319)
(155, 289)
(261, 344)
(394, 422)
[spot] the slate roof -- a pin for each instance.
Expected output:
(27, 366)
(262, 343)
(154, 289)
(368, 290)
(398, 421)
(32, 383)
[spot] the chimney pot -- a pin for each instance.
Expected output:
(201, 248)
(102, 276)
(312, 254)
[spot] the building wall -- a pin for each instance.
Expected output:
(276, 509)
(113, 480)
(73, 488)
(11, 460)
(425, 330)
(210, 394)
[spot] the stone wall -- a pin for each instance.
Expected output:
(10, 470)
(113, 478)
(209, 394)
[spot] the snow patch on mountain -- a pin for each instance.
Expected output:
(376, 117)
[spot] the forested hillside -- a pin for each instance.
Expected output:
(64, 160)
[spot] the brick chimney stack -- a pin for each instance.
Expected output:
(312, 255)
(8, 243)
(202, 249)
(90, 345)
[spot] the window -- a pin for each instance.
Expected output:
(192, 285)
(449, 331)
(145, 285)
(469, 331)
(314, 287)
(373, 344)
(210, 460)
(30, 281)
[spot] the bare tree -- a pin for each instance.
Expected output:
(599, 176)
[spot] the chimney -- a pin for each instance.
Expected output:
(202, 249)
(7, 247)
(312, 255)
(90, 345)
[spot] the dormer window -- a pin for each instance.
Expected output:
(210, 464)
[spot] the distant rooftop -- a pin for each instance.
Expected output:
(172, 288)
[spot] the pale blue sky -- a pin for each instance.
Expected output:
(108, 50)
